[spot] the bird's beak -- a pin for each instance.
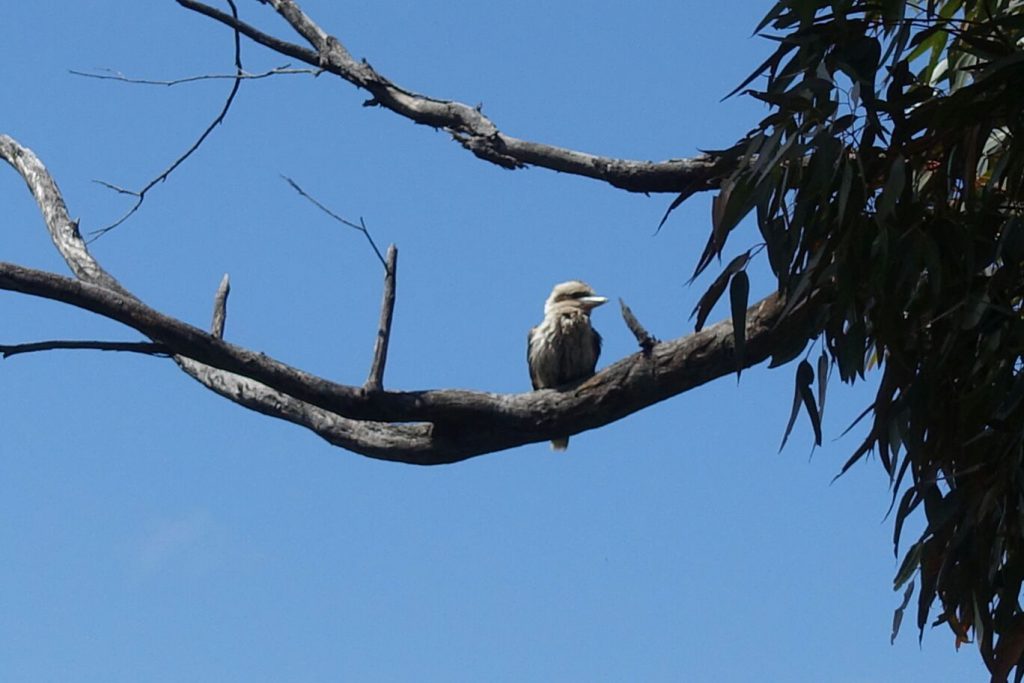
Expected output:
(590, 302)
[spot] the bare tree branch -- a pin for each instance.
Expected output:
(643, 337)
(140, 195)
(375, 382)
(361, 226)
(466, 124)
(147, 348)
(422, 427)
(117, 76)
(465, 423)
(63, 231)
(393, 442)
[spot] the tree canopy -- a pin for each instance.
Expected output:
(887, 184)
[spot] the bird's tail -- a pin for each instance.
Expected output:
(560, 444)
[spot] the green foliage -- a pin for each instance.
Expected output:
(887, 182)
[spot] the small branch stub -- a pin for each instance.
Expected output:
(643, 337)
(220, 307)
(375, 382)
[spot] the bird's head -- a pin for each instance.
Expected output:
(573, 293)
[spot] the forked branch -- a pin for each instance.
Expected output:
(467, 125)
(140, 195)
(422, 427)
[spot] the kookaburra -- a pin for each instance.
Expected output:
(564, 347)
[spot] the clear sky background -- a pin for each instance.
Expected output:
(153, 531)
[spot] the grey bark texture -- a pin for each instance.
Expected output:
(426, 427)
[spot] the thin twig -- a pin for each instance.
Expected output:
(375, 382)
(147, 348)
(646, 340)
(140, 195)
(220, 307)
(361, 226)
(112, 75)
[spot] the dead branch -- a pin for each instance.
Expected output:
(643, 337)
(63, 231)
(465, 423)
(423, 427)
(361, 226)
(220, 307)
(393, 442)
(111, 75)
(468, 125)
(140, 195)
(146, 348)
(375, 382)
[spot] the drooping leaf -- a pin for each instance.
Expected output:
(857, 455)
(926, 595)
(807, 396)
(911, 561)
(739, 295)
(691, 189)
(897, 615)
(844, 191)
(822, 381)
(718, 204)
(802, 394)
(771, 63)
(717, 288)
(908, 503)
(893, 189)
(777, 10)
(719, 230)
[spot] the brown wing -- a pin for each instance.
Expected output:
(596, 341)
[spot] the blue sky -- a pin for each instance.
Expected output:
(156, 532)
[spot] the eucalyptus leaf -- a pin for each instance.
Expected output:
(739, 295)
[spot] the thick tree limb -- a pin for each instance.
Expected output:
(465, 423)
(394, 442)
(423, 427)
(468, 125)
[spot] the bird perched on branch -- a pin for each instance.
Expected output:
(564, 347)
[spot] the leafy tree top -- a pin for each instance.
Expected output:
(887, 185)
